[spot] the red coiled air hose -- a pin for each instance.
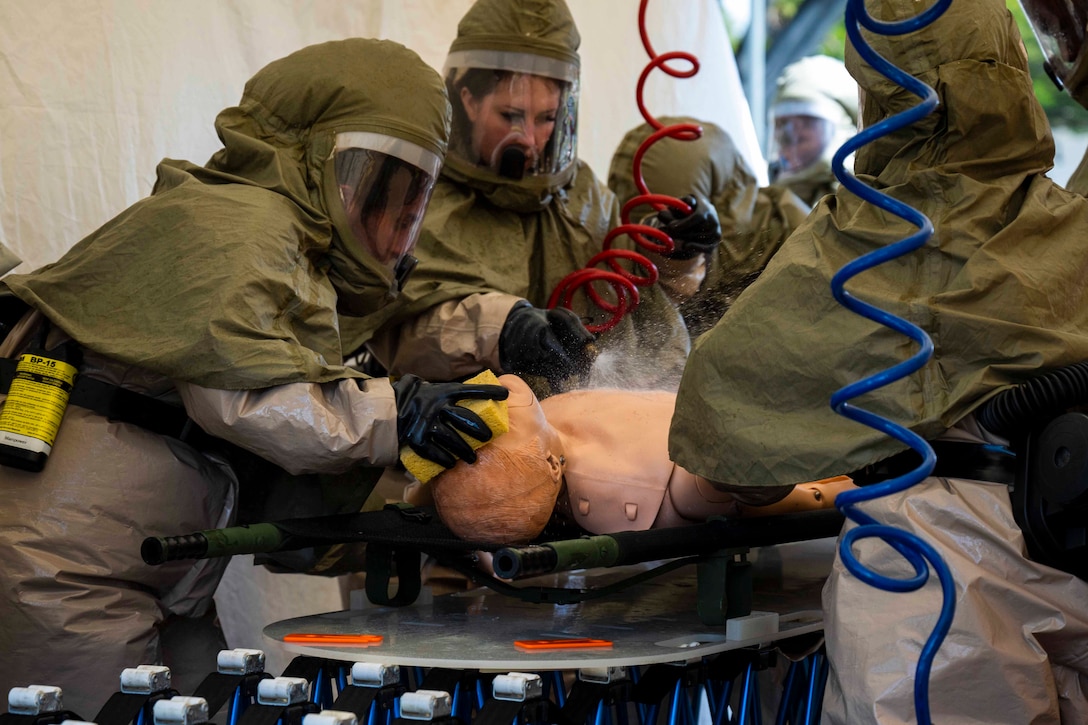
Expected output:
(623, 283)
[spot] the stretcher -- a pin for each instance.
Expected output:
(397, 536)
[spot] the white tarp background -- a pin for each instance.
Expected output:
(93, 93)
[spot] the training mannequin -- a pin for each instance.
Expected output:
(595, 458)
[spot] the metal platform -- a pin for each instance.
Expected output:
(652, 622)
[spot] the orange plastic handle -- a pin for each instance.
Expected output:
(548, 644)
(365, 640)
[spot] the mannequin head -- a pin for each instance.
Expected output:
(507, 496)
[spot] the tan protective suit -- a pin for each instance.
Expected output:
(488, 242)
(223, 289)
(754, 220)
(1000, 289)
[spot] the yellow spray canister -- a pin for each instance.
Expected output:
(32, 413)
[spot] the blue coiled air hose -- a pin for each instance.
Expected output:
(916, 551)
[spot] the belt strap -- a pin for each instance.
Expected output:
(126, 406)
(972, 461)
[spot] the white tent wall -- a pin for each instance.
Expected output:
(93, 93)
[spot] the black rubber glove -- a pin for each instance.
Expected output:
(428, 418)
(550, 343)
(697, 232)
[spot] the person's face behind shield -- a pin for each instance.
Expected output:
(384, 185)
(801, 140)
(514, 114)
(513, 123)
(1060, 26)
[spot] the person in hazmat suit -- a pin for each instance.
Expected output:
(1061, 27)
(514, 212)
(754, 220)
(815, 109)
(208, 314)
(999, 288)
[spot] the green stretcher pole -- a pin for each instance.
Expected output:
(631, 547)
(396, 526)
(251, 539)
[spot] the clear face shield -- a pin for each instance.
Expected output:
(513, 113)
(800, 141)
(1060, 27)
(384, 184)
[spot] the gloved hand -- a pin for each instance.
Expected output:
(551, 343)
(697, 232)
(428, 418)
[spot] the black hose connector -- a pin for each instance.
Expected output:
(161, 549)
(1022, 408)
(516, 563)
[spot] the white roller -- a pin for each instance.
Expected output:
(330, 717)
(145, 679)
(282, 691)
(239, 661)
(369, 674)
(517, 686)
(181, 711)
(425, 704)
(34, 699)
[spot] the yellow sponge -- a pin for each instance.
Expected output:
(493, 412)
